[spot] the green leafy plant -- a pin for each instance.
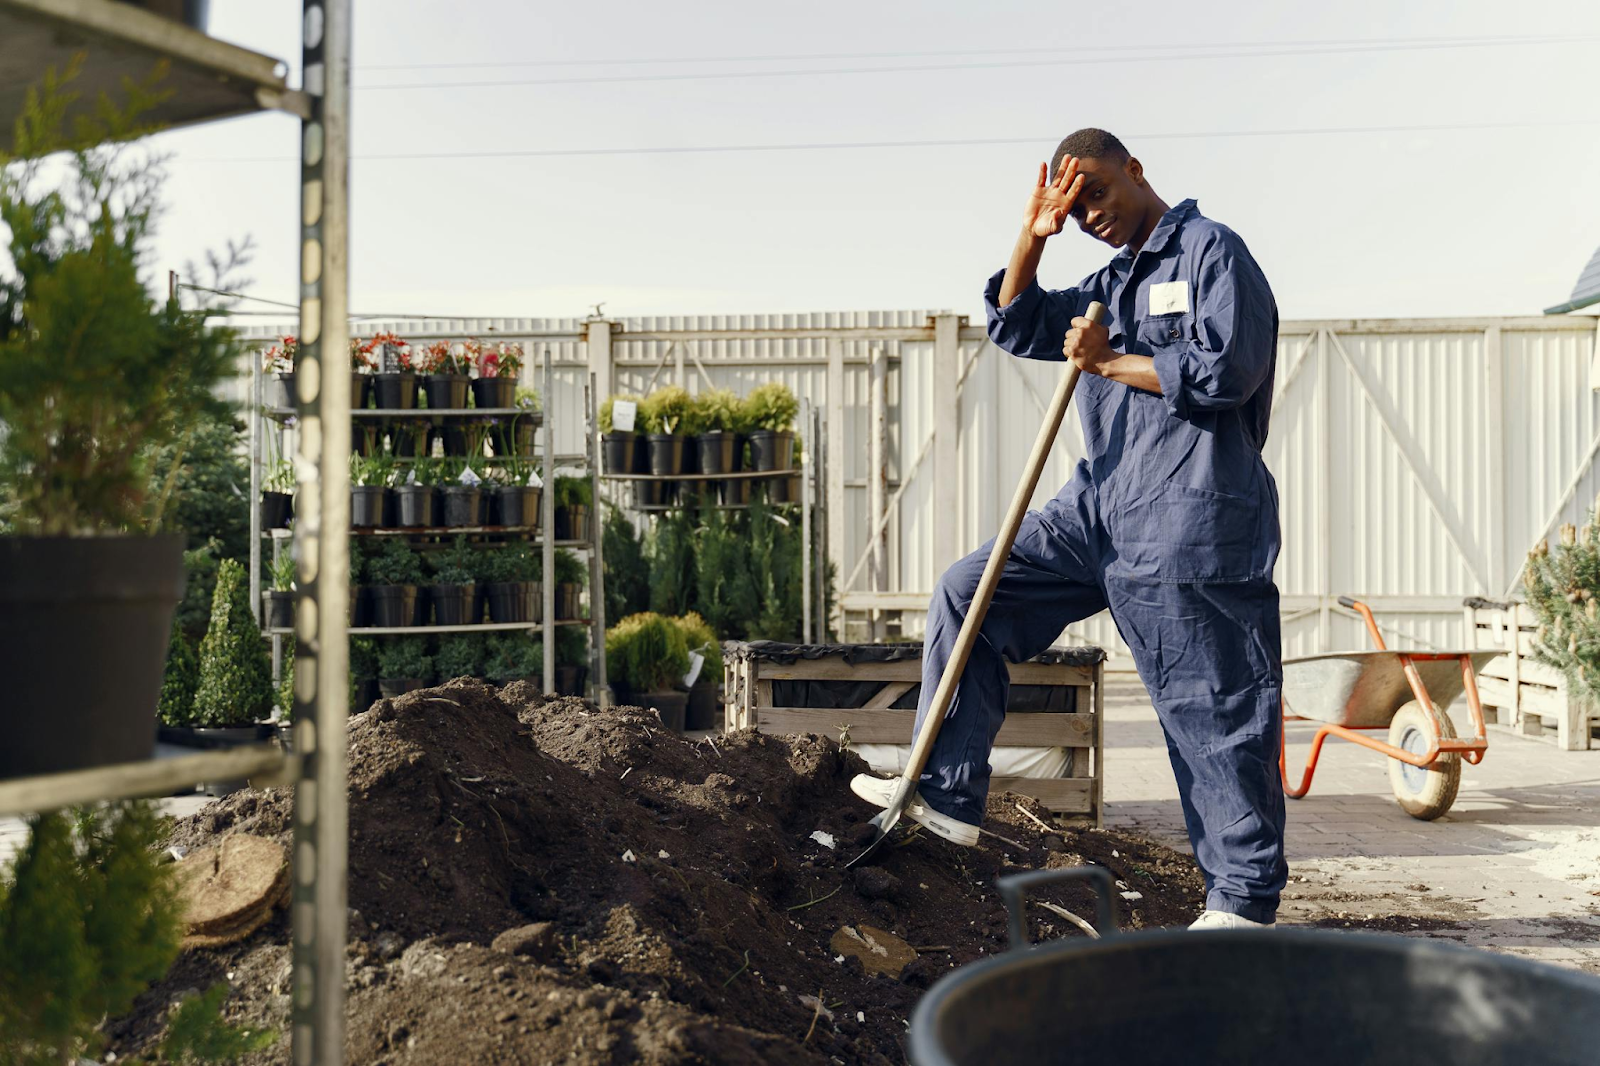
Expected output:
(279, 477)
(97, 376)
(394, 564)
(89, 918)
(179, 681)
(570, 570)
(374, 468)
(776, 562)
(283, 572)
(405, 658)
(698, 637)
(574, 492)
(606, 408)
(572, 646)
(718, 409)
(209, 496)
(200, 567)
(363, 658)
(513, 562)
(627, 581)
(456, 565)
(646, 653)
(724, 584)
(460, 655)
(283, 695)
(771, 406)
(197, 1033)
(359, 553)
(512, 657)
(663, 411)
(527, 398)
(1563, 588)
(672, 567)
(235, 668)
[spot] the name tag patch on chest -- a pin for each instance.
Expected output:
(1169, 298)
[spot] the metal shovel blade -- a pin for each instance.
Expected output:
(885, 820)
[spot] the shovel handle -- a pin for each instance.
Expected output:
(981, 599)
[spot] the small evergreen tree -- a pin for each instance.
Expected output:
(627, 573)
(180, 680)
(235, 667)
(672, 572)
(1563, 588)
(724, 586)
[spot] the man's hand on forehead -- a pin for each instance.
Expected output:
(1052, 200)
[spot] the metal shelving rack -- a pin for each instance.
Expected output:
(210, 80)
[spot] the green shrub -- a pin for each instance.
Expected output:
(672, 577)
(282, 571)
(235, 668)
(776, 562)
(627, 574)
(512, 657)
(574, 491)
(663, 411)
(513, 562)
(605, 410)
(283, 695)
(456, 565)
(363, 658)
(572, 646)
(698, 637)
(570, 570)
(718, 409)
(209, 498)
(178, 683)
(459, 655)
(374, 468)
(200, 568)
(646, 653)
(197, 1033)
(359, 553)
(725, 591)
(394, 564)
(402, 658)
(1563, 588)
(527, 398)
(771, 406)
(87, 923)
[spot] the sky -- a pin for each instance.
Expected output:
(1431, 219)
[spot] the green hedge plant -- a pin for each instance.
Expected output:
(512, 657)
(235, 668)
(627, 573)
(606, 410)
(771, 406)
(394, 564)
(1563, 588)
(646, 653)
(574, 491)
(456, 565)
(570, 570)
(178, 683)
(719, 410)
(514, 562)
(459, 655)
(405, 658)
(697, 636)
(663, 411)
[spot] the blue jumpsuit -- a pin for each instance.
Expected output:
(1171, 522)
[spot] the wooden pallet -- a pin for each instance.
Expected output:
(1521, 695)
(1077, 798)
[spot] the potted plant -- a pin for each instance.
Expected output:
(454, 592)
(459, 491)
(736, 491)
(278, 363)
(410, 440)
(571, 575)
(404, 665)
(369, 490)
(620, 448)
(394, 382)
(280, 598)
(175, 711)
(574, 499)
(283, 697)
(277, 500)
(459, 655)
(718, 419)
(646, 658)
(663, 414)
(97, 379)
(414, 498)
(512, 575)
(362, 365)
(788, 489)
(771, 410)
(572, 660)
(235, 689)
(393, 574)
(363, 673)
(445, 385)
(359, 612)
(495, 387)
(515, 436)
(512, 657)
(702, 707)
(516, 497)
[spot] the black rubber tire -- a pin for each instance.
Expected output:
(1443, 778)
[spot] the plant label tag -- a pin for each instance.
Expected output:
(696, 661)
(411, 478)
(623, 414)
(390, 360)
(533, 480)
(469, 478)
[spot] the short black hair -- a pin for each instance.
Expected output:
(1087, 144)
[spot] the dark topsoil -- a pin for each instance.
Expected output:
(686, 908)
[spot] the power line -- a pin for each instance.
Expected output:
(1096, 60)
(544, 153)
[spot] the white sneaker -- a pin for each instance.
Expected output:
(1225, 920)
(879, 791)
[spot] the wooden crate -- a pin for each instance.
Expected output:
(1520, 694)
(1078, 798)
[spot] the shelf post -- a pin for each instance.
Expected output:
(597, 562)
(547, 588)
(806, 466)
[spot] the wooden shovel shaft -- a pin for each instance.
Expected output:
(995, 567)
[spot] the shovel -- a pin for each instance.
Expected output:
(907, 784)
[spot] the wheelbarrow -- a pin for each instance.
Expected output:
(1403, 692)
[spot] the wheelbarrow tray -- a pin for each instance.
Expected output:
(1364, 689)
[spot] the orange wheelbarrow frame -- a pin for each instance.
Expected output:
(1471, 749)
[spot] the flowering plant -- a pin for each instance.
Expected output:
(280, 358)
(502, 360)
(376, 346)
(440, 358)
(361, 358)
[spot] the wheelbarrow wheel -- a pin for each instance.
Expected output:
(1423, 792)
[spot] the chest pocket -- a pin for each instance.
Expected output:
(1166, 333)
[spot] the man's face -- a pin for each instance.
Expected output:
(1113, 203)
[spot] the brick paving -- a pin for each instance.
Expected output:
(1514, 866)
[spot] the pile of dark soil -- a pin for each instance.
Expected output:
(536, 880)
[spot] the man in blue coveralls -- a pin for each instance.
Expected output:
(1171, 521)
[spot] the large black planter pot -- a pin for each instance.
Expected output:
(94, 613)
(359, 610)
(452, 604)
(366, 694)
(367, 505)
(784, 489)
(572, 522)
(702, 709)
(666, 454)
(396, 391)
(276, 510)
(736, 492)
(403, 439)
(280, 609)
(517, 505)
(393, 605)
(654, 494)
(771, 451)
(413, 506)
(516, 437)
(494, 392)
(391, 687)
(281, 394)
(360, 390)
(445, 392)
(716, 452)
(617, 451)
(570, 680)
(210, 738)
(461, 505)
(672, 706)
(515, 601)
(569, 601)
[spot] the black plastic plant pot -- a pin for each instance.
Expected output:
(485, 506)
(672, 706)
(446, 392)
(276, 510)
(494, 392)
(413, 506)
(453, 604)
(217, 738)
(736, 492)
(392, 605)
(702, 709)
(461, 505)
(395, 391)
(518, 505)
(367, 506)
(666, 454)
(716, 452)
(359, 610)
(569, 601)
(617, 451)
(654, 494)
(784, 489)
(367, 693)
(403, 439)
(282, 394)
(392, 687)
(771, 451)
(280, 609)
(570, 680)
(572, 521)
(360, 390)
(97, 611)
(508, 601)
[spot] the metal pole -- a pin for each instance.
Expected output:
(258, 431)
(807, 464)
(597, 562)
(548, 541)
(322, 522)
